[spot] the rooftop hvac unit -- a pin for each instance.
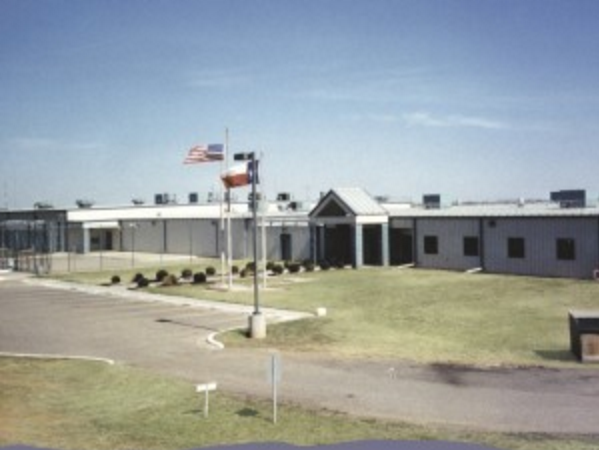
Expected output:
(431, 201)
(573, 198)
(283, 197)
(193, 197)
(158, 199)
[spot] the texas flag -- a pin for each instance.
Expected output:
(240, 175)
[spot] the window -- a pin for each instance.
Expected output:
(515, 247)
(431, 245)
(566, 249)
(470, 246)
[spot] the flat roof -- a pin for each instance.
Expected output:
(496, 210)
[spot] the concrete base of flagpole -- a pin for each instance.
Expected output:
(257, 326)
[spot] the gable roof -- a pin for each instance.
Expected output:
(347, 201)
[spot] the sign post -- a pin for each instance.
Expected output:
(274, 378)
(206, 388)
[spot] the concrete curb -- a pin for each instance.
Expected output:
(279, 315)
(108, 361)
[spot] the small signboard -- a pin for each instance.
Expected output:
(206, 388)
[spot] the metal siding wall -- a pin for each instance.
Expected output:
(401, 223)
(241, 238)
(300, 241)
(149, 236)
(450, 234)
(195, 236)
(540, 235)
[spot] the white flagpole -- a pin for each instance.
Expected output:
(229, 255)
(222, 222)
(263, 199)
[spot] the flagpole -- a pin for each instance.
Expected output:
(229, 255)
(263, 221)
(222, 222)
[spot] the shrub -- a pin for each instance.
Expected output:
(199, 278)
(270, 265)
(137, 277)
(161, 275)
(250, 266)
(210, 271)
(143, 282)
(243, 273)
(324, 265)
(294, 267)
(234, 270)
(278, 269)
(308, 266)
(340, 265)
(115, 279)
(186, 274)
(170, 280)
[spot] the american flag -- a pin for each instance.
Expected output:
(205, 153)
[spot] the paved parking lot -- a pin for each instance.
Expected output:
(167, 335)
(83, 323)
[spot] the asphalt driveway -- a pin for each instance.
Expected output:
(169, 336)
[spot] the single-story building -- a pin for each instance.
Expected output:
(551, 238)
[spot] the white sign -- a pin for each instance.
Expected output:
(206, 387)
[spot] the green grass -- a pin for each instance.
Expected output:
(84, 405)
(420, 315)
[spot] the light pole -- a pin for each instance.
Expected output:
(257, 322)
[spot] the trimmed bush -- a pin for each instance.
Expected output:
(170, 280)
(235, 270)
(161, 275)
(324, 265)
(340, 265)
(210, 271)
(308, 266)
(143, 282)
(243, 273)
(270, 265)
(137, 277)
(186, 274)
(278, 269)
(294, 267)
(115, 279)
(250, 266)
(199, 278)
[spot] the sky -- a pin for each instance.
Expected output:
(470, 99)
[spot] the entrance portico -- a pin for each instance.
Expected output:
(350, 227)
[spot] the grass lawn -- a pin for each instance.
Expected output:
(84, 405)
(420, 315)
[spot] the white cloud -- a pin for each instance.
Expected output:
(424, 119)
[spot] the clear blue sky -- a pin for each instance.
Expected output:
(472, 99)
